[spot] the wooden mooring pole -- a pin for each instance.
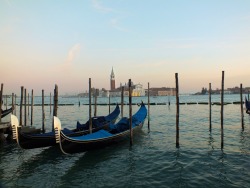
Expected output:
(50, 103)
(130, 112)
(90, 117)
(32, 104)
(109, 103)
(25, 107)
(122, 101)
(55, 104)
(95, 112)
(177, 110)
(148, 110)
(1, 101)
(13, 106)
(43, 114)
(241, 107)
(28, 104)
(21, 107)
(210, 109)
(222, 110)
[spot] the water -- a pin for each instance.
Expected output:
(153, 160)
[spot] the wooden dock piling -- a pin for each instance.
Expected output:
(21, 107)
(12, 102)
(25, 107)
(210, 109)
(55, 104)
(122, 101)
(32, 104)
(109, 103)
(130, 112)
(50, 103)
(241, 107)
(90, 116)
(177, 111)
(95, 112)
(148, 110)
(1, 101)
(43, 113)
(222, 110)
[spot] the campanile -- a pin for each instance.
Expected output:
(112, 80)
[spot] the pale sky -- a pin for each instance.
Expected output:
(66, 42)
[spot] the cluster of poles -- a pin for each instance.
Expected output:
(55, 106)
(210, 110)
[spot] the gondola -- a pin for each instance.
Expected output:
(36, 140)
(247, 104)
(101, 138)
(6, 112)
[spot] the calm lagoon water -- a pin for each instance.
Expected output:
(153, 160)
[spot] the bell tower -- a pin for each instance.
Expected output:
(112, 80)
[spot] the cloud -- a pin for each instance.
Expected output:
(115, 24)
(72, 53)
(98, 6)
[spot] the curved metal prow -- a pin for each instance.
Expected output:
(57, 128)
(14, 126)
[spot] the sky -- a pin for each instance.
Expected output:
(66, 42)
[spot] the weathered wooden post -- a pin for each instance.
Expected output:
(177, 110)
(95, 103)
(210, 109)
(122, 101)
(109, 103)
(1, 101)
(148, 110)
(130, 112)
(28, 104)
(32, 104)
(55, 104)
(25, 107)
(2, 137)
(222, 110)
(241, 107)
(13, 107)
(50, 103)
(21, 107)
(43, 114)
(90, 117)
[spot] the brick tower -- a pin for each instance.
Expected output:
(112, 80)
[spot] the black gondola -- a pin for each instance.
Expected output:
(30, 140)
(101, 138)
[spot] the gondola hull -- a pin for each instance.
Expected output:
(30, 141)
(102, 138)
(76, 146)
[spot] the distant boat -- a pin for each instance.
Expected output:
(29, 140)
(101, 138)
(247, 104)
(6, 112)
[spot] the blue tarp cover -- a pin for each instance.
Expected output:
(96, 135)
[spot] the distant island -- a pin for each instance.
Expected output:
(235, 90)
